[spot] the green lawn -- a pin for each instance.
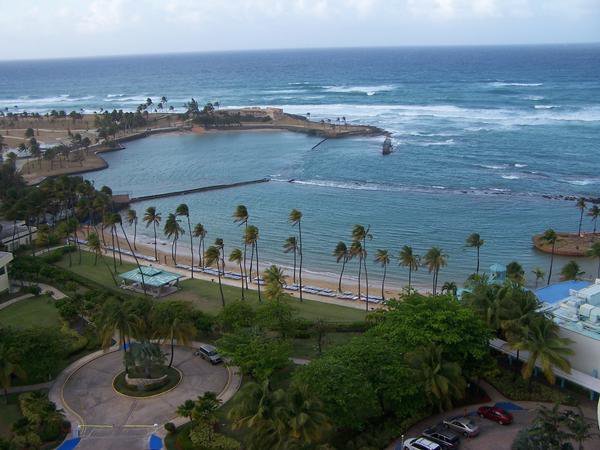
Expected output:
(31, 312)
(9, 414)
(307, 348)
(205, 295)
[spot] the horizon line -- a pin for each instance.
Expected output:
(279, 49)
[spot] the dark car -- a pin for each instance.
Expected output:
(496, 414)
(446, 438)
(209, 353)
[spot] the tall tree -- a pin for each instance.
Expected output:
(241, 216)
(571, 271)
(95, 246)
(594, 213)
(594, 252)
(200, 232)
(173, 322)
(8, 369)
(544, 344)
(291, 246)
(274, 282)
(342, 254)
(152, 217)
(173, 230)
(515, 273)
(408, 258)
(132, 219)
(295, 218)
(383, 258)
(435, 259)
(251, 238)
(550, 238)
(237, 256)
(356, 251)
(119, 221)
(581, 205)
(183, 210)
(475, 241)
(539, 274)
(212, 256)
(443, 380)
(361, 234)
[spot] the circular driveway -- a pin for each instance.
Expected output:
(90, 395)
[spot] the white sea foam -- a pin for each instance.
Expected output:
(582, 182)
(545, 106)
(369, 90)
(511, 177)
(435, 143)
(535, 98)
(493, 166)
(520, 165)
(506, 84)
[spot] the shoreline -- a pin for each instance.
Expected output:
(568, 244)
(145, 247)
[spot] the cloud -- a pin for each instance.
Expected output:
(101, 15)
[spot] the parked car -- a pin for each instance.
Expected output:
(496, 414)
(462, 425)
(209, 353)
(446, 438)
(420, 443)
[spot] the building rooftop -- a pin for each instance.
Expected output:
(153, 276)
(573, 305)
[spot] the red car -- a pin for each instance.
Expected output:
(496, 414)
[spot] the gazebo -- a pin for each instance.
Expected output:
(158, 282)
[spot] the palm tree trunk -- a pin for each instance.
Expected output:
(251, 261)
(220, 285)
(191, 245)
(478, 260)
(257, 272)
(155, 251)
(134, 233)
(551, 264)
(135, 258)
(172, 349)
(294, 265)
(300, 250)
(580, 221)
(341, 275)
(359, 274)
(175, 250)
(118, 246)
(113, 249)
(242, 275)
(409, 276)
(245, 274)
(383, 282)
(366, 273)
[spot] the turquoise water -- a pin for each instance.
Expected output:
(481, 135)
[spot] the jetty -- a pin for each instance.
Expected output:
(215, 187)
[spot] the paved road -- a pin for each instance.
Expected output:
(113, 421)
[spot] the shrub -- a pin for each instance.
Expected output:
(34, 289)
(170, 427)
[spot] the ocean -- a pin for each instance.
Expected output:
(482, 135)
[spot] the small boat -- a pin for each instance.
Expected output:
(387, 146)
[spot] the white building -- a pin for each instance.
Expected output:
(5, 258)
(12, 235)
(575, 307)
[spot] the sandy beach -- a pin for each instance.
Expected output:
(145, 247)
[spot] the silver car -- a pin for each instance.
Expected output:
(209, 353)
(420, 444)
(462, 425)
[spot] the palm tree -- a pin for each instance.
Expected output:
(132, 219)
(341, 253)
(515, 273)
(594, 213)
(8, 369)
(361, 234)
(475, 241)
(295, 218)
(543, 343)
(119, 221)
(186, 408)
(307, 422)
(200, 232)
(212, 256)
(539, 275)
(571, 271)
(274, 282)
(594, 252)
(549, 237)
(443, 380)
(109, 222)
(115, 318)
(408, 258)
(383, 258)
(291, 246)
(237, 256)
(251, 238)
(450, 287)
(435, 259)
(176, 324)
(356, 251)
(174, 230)
(154, 218)
(581, 206)
(220, 243)
(183, 210)
(95, 246)
(241, 216)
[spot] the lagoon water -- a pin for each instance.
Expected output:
(480, 136)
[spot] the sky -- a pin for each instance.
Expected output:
(73, 28)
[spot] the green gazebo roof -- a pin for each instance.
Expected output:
(152, 276)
